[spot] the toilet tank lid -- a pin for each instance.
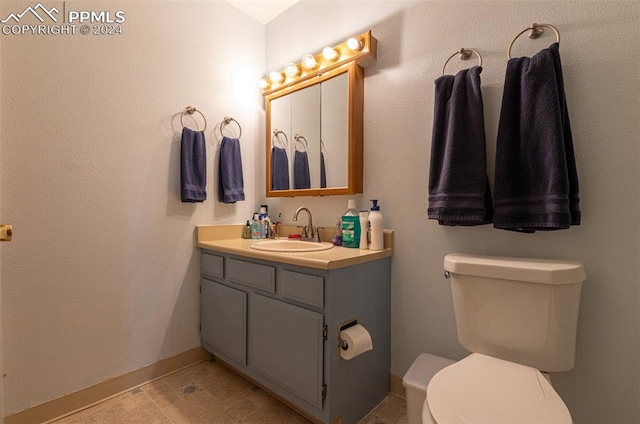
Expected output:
(543, 271)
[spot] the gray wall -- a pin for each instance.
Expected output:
(601, 74)
(102, 275)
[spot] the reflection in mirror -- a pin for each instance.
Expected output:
(305, 125)
(279, 161)
(301, 173)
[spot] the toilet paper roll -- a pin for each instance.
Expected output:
(354, 341)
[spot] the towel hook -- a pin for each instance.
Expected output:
(275, 138)
(465, 54)
(303, 141)
(535, 31)
(190, 110)
(226, 121)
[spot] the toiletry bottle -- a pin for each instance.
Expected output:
(375, 220)
(246, 231)
(364, 221)
(263, 217)
(276, 226)
(256, 228)
(337, 235)
(351, 226)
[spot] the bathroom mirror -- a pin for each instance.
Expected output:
(315, 135)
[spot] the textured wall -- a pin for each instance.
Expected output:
(602, 85)
(102, 276)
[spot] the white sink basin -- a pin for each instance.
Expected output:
(290, 246)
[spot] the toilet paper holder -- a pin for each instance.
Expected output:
(344, 345)
(354, 340)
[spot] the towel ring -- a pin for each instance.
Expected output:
(226, 121)
(535, 31)
(464, 55)
(191, 110)
(275, 138)
(303, 141)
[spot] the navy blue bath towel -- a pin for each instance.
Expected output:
(301, 176)
(536, 182)
(279, 169)
(231, 182)
(459, 192)
(193, 166)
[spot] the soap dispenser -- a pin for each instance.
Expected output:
(375, 221)
(256, 228)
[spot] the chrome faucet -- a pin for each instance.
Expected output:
(309, 232)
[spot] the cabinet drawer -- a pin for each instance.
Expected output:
(304, 288)
(212, 265)
(258, 276)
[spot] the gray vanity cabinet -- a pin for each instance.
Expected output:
(279, 325)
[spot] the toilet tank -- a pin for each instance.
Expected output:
(518, 309)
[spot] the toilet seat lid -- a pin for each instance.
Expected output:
(483, 389)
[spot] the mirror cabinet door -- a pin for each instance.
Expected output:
(314, 135)
(280, 144)
(334, 131)
(305, 127)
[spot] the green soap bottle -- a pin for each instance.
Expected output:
(351, 226)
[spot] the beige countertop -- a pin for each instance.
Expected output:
(228, 239)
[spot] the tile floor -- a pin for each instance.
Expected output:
(210, 393)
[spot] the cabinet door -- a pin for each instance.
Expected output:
(223, 320)
(285, 344)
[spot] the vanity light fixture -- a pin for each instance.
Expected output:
(360, 48)
(291, 69)
(264, 83)
(354, 44)
(276, 77)
(330, 53)
(309, 61)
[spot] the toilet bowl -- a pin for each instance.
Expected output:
(516, 316)
(483, 389)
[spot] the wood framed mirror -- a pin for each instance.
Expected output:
(314, 134)
(314, 128)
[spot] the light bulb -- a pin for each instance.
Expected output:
(329, 53)
(263, 83)
(308, 61)
(291, 69)
(276, 76)
(354, 44)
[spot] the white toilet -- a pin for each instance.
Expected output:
(519, 318)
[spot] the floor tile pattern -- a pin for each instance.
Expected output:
(210, 393)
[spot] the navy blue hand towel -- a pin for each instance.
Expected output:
(536, 182)
(279, 169)
(301, 176)
(459, 192)
(231, 182)
(323, 172)
(193, 166)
